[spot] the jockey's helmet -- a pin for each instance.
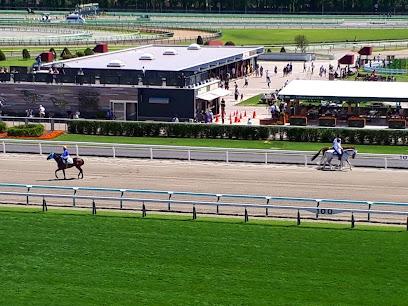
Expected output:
(64, 147)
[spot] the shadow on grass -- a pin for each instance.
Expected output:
(232, 221)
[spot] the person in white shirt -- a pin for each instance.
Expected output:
(337, 146)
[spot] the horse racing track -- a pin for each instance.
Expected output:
(71, 257)
(66, 257)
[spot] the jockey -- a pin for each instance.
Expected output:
(65, 155)
(337, 146)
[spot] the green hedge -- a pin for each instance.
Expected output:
(26, 130)
(273, 132)
(3, 127)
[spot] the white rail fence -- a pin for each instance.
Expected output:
(194, 153)
(207, 203)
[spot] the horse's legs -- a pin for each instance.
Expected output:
(63, 171)
(56, 173)
(80, 172)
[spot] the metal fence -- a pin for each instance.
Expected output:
(207, 203)
(193, 153)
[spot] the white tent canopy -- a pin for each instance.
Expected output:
(357, 91)
(213, 94)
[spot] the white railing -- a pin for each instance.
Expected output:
(194, 153)
(242, 206)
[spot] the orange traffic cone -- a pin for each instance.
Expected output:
(240, 116)
(230, 118)
(217, 118)
(245, 114)
(254, 115)
(236, 119)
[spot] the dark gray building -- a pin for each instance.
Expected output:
(152, 82)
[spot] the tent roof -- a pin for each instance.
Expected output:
(347, 59)
(346, 90)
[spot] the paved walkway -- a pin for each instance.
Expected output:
(258, 85)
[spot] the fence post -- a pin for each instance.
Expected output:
(317, 206)
(44, 205)
(246, 215)
(267, 203)
(352, 220)
(369, 208)
(194, 213)
(4, 147)
(73, 199)
(143, 210)
(28, 191)
(93, 207)
(226, 156)
(305, 160)
(40, 147)
(266, 158)
(189, 155)
(168, 204)
(385, 163)
(77, 150)
(298, 218)
(122, 191)
(218, 201)
(151, 153)
(114, 152)
(52, 124)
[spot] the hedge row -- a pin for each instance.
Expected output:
(195, 130)
(26, 130)
(3, 127)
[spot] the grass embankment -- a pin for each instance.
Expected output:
(71, 258)
(226, 143)
(287, 36)
(253, 101)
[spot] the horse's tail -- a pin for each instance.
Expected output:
(316, 155)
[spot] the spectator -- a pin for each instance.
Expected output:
(41, 111)
(76, 115)
(175, 119)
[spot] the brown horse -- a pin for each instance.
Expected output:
(323, 150)
(78, 162)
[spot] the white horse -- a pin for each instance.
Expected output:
(330, 154)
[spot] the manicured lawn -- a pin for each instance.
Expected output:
(17, 61)
(286, 36)
(253, 101)
(225, 143)
(71, 258)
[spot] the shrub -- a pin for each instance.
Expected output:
(65, 52)
(282, 50)
(229, 43)
(88, 51)
(80, 53)
(200, 40)
(26, 130)
(3, 127)
(2, 56)
(67, 56)
(54, 54)
(26, 54)
(197, 130)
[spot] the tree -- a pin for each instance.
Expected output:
(229, 43)
(301, 42)
(54, 54)
(2, 56)
(282, 50)
(200, 40)
(65, 52)
(26, 54)
(88, 51)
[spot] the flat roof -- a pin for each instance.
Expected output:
(346, 90)
(183, 60)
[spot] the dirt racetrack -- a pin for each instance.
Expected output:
(237, 178)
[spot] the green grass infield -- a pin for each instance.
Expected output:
(69, 258)
(226, 143)
(287, 36)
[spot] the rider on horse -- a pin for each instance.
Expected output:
(337, 146)
(66, 159)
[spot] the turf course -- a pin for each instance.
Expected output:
(227, 143)
(71, 258)
(286, 36)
